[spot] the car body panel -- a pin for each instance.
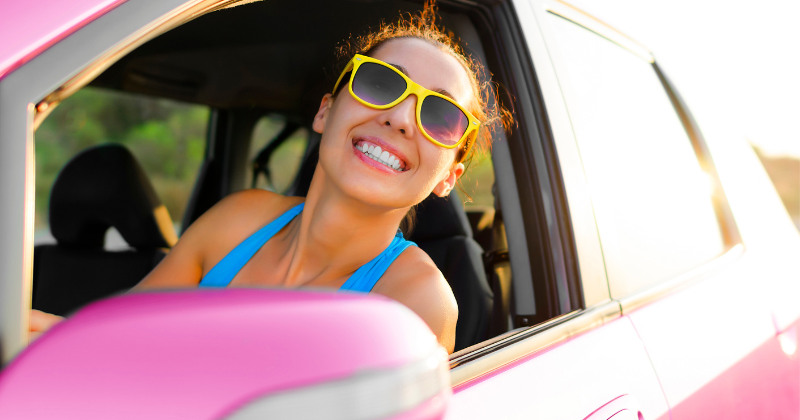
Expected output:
(707, 340)
(568, 381)
(38, 25)
(761, 385)
(692, 343)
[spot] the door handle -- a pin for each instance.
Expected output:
(624, 407)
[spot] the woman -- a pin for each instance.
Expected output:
(400, 124)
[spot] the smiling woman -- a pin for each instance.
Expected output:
(415, 108)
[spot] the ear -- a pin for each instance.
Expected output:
(322, 114)
(443, 188)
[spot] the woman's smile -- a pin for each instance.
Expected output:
(379, 154)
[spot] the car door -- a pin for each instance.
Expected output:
(700, 294)
(588, 363)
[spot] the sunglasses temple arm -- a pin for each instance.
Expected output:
(339, 80)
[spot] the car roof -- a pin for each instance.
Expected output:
(27, 31)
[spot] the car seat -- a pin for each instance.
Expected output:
(100, 188)
(443, 231)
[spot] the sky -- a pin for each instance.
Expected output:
(735, 62)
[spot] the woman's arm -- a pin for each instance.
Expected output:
(212, 236)
(216, 231)
(415, 281)
(41, 322)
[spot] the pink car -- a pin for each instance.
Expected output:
(616, 263)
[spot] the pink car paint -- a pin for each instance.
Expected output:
(38, 24)
(583, 374)
(202, 354)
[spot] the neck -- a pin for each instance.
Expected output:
(337, 234)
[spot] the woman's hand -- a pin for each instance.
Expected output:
(41, 322)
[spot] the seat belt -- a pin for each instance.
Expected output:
(261, 162)
(498, 271)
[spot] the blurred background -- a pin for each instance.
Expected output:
(736, 65)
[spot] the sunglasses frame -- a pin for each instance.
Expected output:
(414, 88)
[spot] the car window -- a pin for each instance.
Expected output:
(652, 202)
(283, 162)
(166, 137)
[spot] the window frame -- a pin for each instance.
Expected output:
(532, 162)
(543, 165)
(27, 95)
(728, 230)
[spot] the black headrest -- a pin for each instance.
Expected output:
(439, 218)
(105, 186)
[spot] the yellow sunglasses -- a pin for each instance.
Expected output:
(379, 85)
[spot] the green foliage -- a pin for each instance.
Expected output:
(477, 181)
(167, 137)
(285, 160)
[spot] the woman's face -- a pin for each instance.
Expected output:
(347, 125)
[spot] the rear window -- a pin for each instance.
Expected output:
(652, 202)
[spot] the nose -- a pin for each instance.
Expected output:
(402, 117)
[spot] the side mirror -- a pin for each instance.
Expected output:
(232, 354)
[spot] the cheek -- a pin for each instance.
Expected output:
(441, 161)
(346, 113)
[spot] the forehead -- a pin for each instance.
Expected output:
(428, 66)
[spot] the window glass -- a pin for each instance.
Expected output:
(475, 190)
(476, 183)
(165, 136)
(651, 199)
(284, 162)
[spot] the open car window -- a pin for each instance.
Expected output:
(277, 149)
(206, 106)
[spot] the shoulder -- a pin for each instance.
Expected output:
(414, 280)
(232, 220)
(244, 210)
(254, 201)
(214, 234)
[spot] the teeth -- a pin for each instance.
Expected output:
(378, 155)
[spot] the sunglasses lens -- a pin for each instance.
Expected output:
(377, 84)
(442, 120)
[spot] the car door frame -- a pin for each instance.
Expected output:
(550, 171)
(598, 308)
(27, 95)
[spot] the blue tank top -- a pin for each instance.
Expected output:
(363, 280)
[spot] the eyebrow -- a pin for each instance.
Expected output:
(404, 71)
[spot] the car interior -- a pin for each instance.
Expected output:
(263, 59)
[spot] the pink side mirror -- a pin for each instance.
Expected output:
(232, 354)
